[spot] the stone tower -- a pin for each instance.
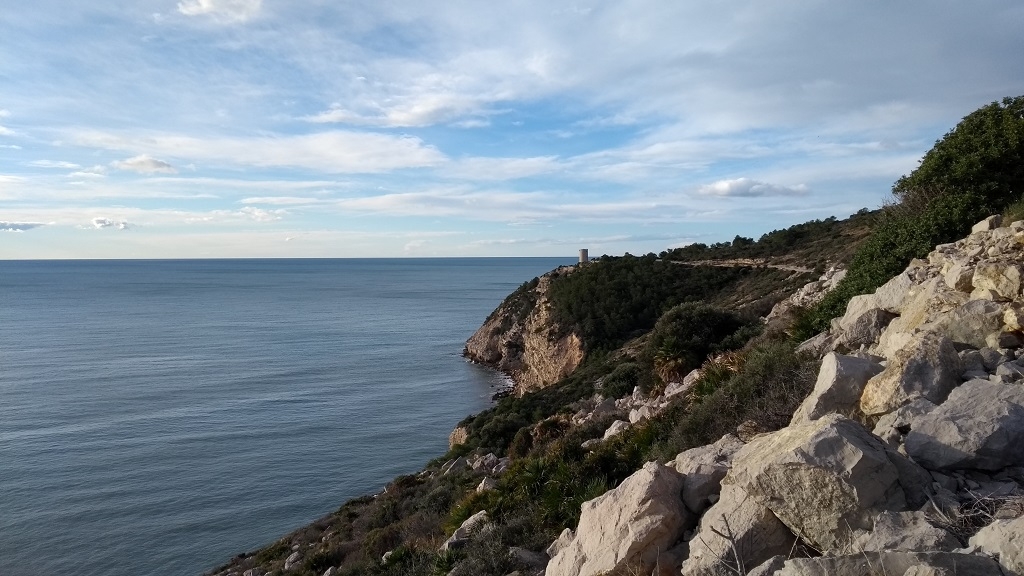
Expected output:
(584, 256)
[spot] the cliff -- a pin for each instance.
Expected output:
(522, 340)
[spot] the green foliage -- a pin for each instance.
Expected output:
(984, 154)
(519, 303)
(809, 244)
(686, 335)
(621, 380)
(768, 386)
(616, 299)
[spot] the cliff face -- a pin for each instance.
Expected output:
(522, 340)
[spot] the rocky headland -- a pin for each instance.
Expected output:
(521, 340)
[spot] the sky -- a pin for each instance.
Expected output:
(409, 128)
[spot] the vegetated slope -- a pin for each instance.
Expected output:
(546, 328)
(550, 439)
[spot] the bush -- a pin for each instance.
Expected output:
(685, 335)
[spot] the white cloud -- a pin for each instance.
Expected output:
(18, 226)
(261, 215)
(747, 188)
(221, 10)
(503, 168)
(4, 113)
(4, 131)
(144, 164)
(91, 172)
(332, 152)
(10, 146)
(53, 164)
(101, 223)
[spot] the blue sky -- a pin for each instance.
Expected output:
(315, 128)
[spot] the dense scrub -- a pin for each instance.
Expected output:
(616, 299)
(812, 244)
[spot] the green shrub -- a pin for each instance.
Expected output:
(622, 380)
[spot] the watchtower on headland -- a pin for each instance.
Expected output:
(584, 256)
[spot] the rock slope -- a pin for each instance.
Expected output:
(906, 459)
(531, 349)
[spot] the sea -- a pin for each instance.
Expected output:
(162, 416)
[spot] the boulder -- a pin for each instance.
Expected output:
(818, 344)
(841, 381)
(528, 558)
(960, 277)
(894, 564)
(768, 567)
(990, 223)
(927, 303)
(454, 465)
(1002, 278)
(563, 540)
(757, 535)
(1003, 539)
(865, 329)
(628, 526)
(703, 469)
(461, 535)
(972, 322)
(826, 478)
(641, 413)
(893, 426)
(486, 484)
(927, 368)
(689, 381)
(980, 426)
(892, 295)
(906, 532)
(616, 427)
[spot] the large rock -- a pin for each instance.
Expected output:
(971, 323)
(1003, 539)
(757, 534)
(906, 532)
(628, 526)
(703, 469)
(827, 478)
(926, 303)
(980, 426)
(865, 330)
(894, 564)
(1002, 278)
(926, 368)
(841, 381)
(461, 535)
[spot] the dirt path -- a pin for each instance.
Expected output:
(738, 262)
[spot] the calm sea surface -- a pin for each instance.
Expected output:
(159, 417)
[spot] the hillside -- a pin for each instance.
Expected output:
(873, 426)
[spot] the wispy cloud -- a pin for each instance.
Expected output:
(19, 226)
(144, 164)
(747, 188)
(222, 10)
(104, 223)
(330, 152)
(53, 164)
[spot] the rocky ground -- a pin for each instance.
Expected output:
(906, 459)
